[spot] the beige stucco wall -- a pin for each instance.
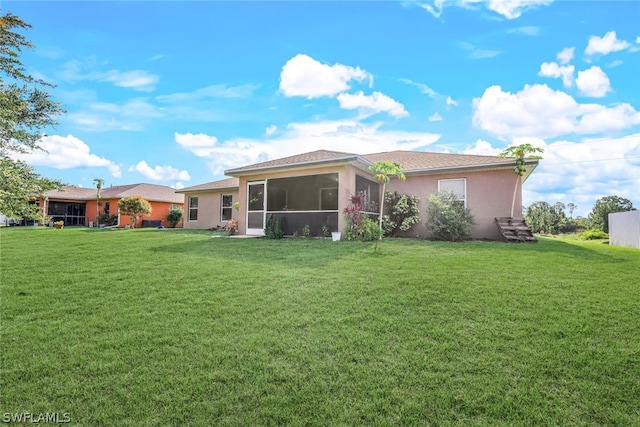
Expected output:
(208, 209)
(489, 194)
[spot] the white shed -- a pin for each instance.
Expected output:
(624, 229)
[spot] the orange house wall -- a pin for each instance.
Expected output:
(159, 211)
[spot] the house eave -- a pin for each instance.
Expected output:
(336, 161)
(207, 190)
(469, 168)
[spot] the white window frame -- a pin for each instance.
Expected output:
(191, 208)
(223, 207)
(464, 181)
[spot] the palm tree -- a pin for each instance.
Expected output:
(99, 182)
(382, 172)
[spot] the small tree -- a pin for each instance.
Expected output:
(599, 216)
(174, 216)
(134, 207)
(383, 171)
(521, 153)
(447, 218)
(401, 212)
(544, 217)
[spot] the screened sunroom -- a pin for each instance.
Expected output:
(300, 201)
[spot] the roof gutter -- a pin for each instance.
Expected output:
(498, 165)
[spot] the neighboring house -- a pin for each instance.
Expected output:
(210, 205)
(77, 206)
(314, 189)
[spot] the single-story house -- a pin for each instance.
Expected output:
(314, 189)
(77, 206)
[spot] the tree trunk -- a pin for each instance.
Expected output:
(515, 192)
(381, 211)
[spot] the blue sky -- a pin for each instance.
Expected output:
(174, 93)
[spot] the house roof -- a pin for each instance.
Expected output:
(412, 162)
(421, 161)
(150, 192)
(305, 159)
(224, 184)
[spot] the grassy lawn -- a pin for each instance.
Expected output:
(148, 327)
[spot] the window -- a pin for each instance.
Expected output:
(226, 207)
(107, 206)
(455, 186)
(193, 208)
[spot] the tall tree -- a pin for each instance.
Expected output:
(599, 216)
(26, 110)
(382, 172)
(521, 153)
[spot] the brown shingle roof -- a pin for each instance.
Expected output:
(150, 192)
(313, 157)
(420, 161)
(229, 183)
(72, 193)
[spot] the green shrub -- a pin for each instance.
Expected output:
(174, 216)
(401, 212)
(448, 219)
(593, 234)
(273, 229)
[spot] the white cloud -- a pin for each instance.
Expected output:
(213, 91)
(510, 9)
(593, 82)
(478, 53)
(89, 69)
(553, 70)
(303, 137)
(306, 77)
(102, 116)
(583, 171)
(431, 93)
(67, 152)
(139, 80)
(201, 145)
(606, 44)
(482, 148)
(565, 55)
(539, 111)
(368, 105)
(528, 30)
(178, 185)
(580, 171)
(435, 117)
(270, 130)
(160, 173)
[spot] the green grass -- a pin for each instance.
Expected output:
(148, 327)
